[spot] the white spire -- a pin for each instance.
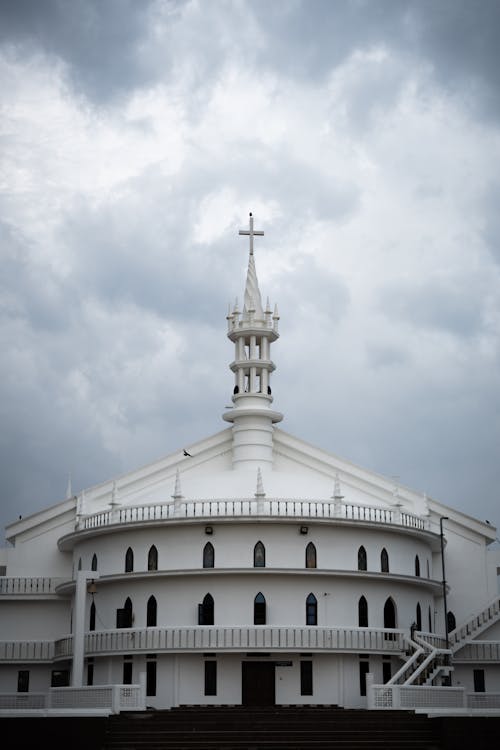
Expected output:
(177, 489)
(259, 492)
(253, 300)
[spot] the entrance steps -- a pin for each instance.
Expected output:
(271, 728)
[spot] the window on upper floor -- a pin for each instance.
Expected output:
(259, 556)
(311, 610)
(419, 616)
(430, 620)
(259, 609)
(124, 615)
(208, 555)
(451, 621)
(310, 555)
(92, 616)
(362, 559)
(93, 564)
(151, 613)
(129, 560)
(384, 561)
(417, 565)
(390, 613)
(206, 611)
(80, 563)
(362, 613)
(153, 558)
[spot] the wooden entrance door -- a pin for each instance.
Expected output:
(257, 686)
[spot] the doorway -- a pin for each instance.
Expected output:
(257, 683)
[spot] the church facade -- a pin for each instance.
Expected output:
(254, 568)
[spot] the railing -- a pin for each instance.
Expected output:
(475, 624)
(235, 639)
(478, 651)
(113, 698)
(16, 585)
(414, 696)
(483, 700)
(208, 509)
(26, 651)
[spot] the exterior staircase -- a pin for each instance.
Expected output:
(475, 625)
(426, 663)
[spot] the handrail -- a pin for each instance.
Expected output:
(474, 622)
(28, 585)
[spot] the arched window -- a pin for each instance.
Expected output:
(259, 609)
(451, 622)
(363, 613)
(310, 555)
(208, 555)
(419, 616)
(124, 615)
(129, 560)
(384, 561)
(311, 610)
(259, 556)
(362, 560)
(93, 565)
(206, 611)
(417, 565)
(80, 564)
(151, 612)
(390, 614)
(92, 617)
(152, 558)
(430, 620)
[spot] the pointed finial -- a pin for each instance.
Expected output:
(260, 487)
(177, 489)
(236, 308)
(336, 488)
(114, 495)
(268, 306)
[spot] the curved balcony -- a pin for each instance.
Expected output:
(236, 639)
(30, 586)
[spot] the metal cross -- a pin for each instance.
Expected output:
(251, 233)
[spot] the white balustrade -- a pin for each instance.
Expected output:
(112, 698)
(483, 700)
(26, 651)
(273, 507)
(479, 651)
(414, 696)
(13, 585)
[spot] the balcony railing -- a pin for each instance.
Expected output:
(236, 639)
(111, 698)
(272, 507)
(14, 585)
(479, 651)
(26, 651)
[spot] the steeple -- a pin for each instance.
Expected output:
(252, 332)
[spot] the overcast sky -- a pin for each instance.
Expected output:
(135, 138)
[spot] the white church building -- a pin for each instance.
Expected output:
(249, 568)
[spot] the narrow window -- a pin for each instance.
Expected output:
(419, 617)
(90, 671)
(417, 566)
(310, 555)
(151, 675)
(362, 560)
(451, 622)
(93, 565)
(311, 610)
(80, 564)
(430, 620)
(210, 678)
(364, 668)
(124, 615)
(479, 684)
(23, 681)
(127, 670)
(389, 614)
(129, 561)
(259, 556)
(259, 609)
(152, 558)
(208, 555)
(363, 613)
(92, 617)
(384, 561)
(151, 612)
(306, 678)
(206, 611)
(428, 571)
(386, 670)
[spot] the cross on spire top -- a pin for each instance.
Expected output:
(251, 233)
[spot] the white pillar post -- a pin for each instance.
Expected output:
(142, 683)
(82, 577)
(370, 697)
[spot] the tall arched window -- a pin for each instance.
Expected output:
(124, 615)
(92, 617)
(384, 561)
(151, 612)
(129, 560)
(390, 614)
(259, 556)
(419, 616)
(417, 565)
(430, 620)
(80, 564)
(311, 610)
(363, 613)
(93, 564)
(206, 611)
(208, 555)
(362, 560)
(451, 621)
(259, 609)
(310, 555)
(153, 558)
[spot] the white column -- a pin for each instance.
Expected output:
(82, 577)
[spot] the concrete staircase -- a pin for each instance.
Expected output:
(271, 728)
(475, 625)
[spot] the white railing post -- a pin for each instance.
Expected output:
(396, 696)
(142, 683)
(115, 699)
(370, 697)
